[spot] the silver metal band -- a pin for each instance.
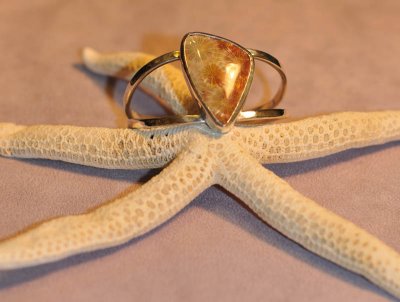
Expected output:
(139, 76)
(274, 63)
(244, 118)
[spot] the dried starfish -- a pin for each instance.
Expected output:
(198, 158)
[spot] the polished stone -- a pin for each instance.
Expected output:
(219, 71)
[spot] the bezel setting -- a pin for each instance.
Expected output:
(208, 115)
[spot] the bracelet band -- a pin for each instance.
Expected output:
(237, 58)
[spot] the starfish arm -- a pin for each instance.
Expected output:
(166, 83)
(309, 224)
(115, 222)
(98, 147)
(318, 136)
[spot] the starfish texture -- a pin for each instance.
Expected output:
(196, 158)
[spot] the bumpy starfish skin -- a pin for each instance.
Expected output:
(98, 147)
(314, 227)
(200, 158)
(116, 222)
(133, 149)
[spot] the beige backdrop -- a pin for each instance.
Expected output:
(338, 55)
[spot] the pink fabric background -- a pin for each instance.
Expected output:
(338, 55)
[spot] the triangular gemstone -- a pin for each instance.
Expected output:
(220, 73)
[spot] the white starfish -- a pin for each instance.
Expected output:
(198, 158)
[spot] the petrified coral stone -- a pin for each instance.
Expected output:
(219, 72)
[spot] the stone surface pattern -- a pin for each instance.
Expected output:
(220, 72)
